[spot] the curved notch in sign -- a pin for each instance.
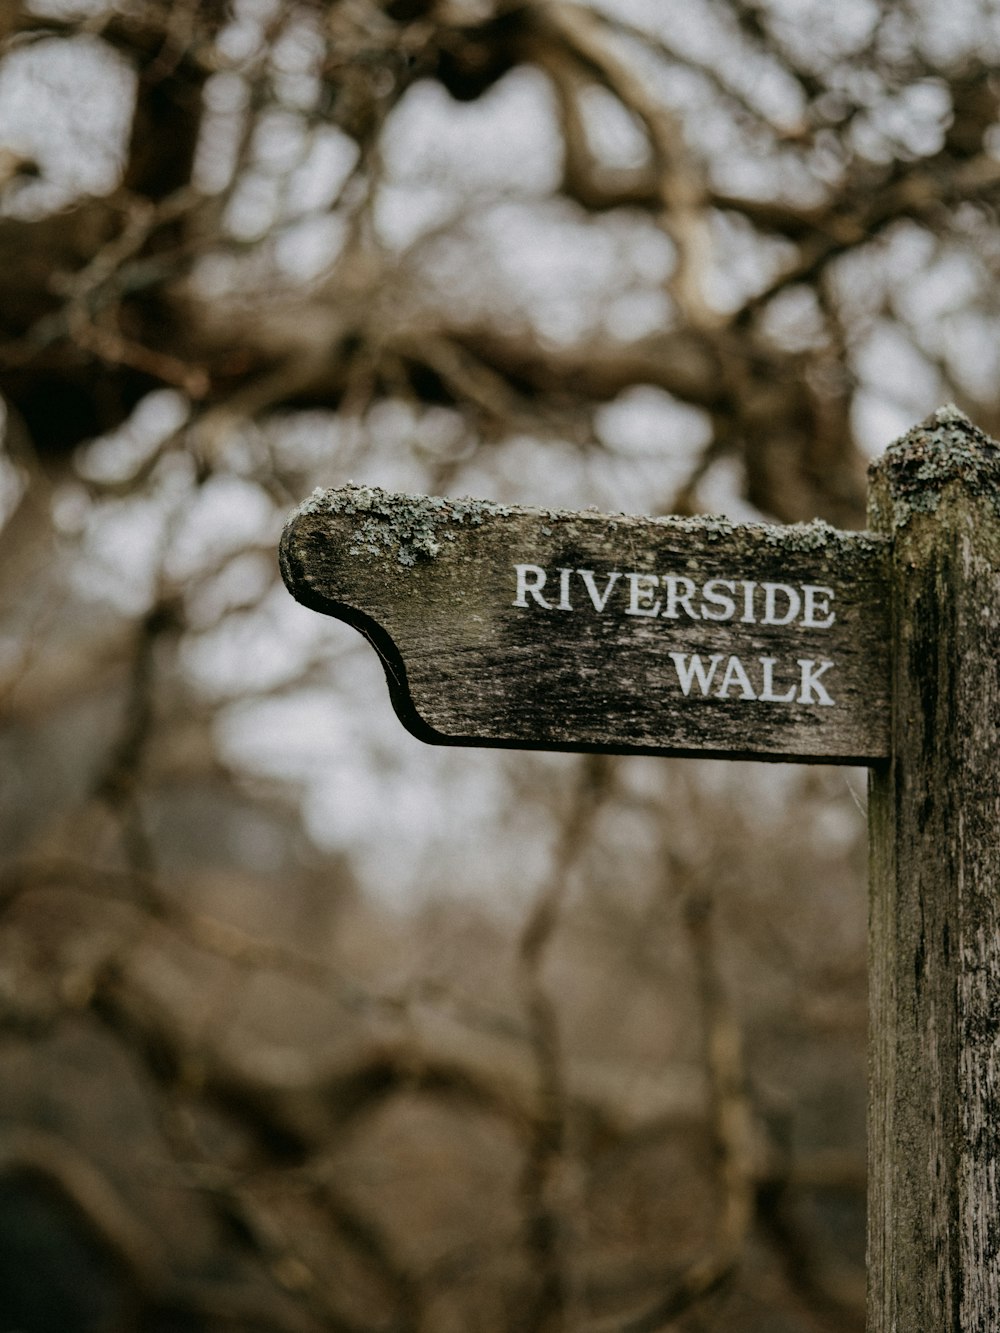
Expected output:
(504, 626)
(298, 573)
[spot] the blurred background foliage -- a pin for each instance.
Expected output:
(304, 1026)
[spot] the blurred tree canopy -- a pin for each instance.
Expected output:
(303, 1026)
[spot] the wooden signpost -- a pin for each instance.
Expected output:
(544, 629)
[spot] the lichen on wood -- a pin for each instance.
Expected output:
(945, 448)
(409, 527)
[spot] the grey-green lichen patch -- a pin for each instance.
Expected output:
(815, 535)
(818, 535)
(710, 525)
(407, 527)
(913, 473)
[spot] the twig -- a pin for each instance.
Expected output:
(546, 1163)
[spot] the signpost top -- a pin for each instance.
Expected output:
(532, 628)
(913, 473)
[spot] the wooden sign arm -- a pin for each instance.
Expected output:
(532, 628)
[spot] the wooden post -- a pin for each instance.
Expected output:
(934, 962)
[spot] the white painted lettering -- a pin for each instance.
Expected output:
(725, 606)
(735, 674)
(679, 593)
(530, 582)
(771, 616)
(640, 602)
(676, 596)
(767, 694)
(810, 682)
(600, 599)
(690, 668)
(817, 599)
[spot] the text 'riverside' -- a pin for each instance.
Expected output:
(675, 596)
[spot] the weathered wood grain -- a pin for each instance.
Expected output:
(587, 631)
(934, 965)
